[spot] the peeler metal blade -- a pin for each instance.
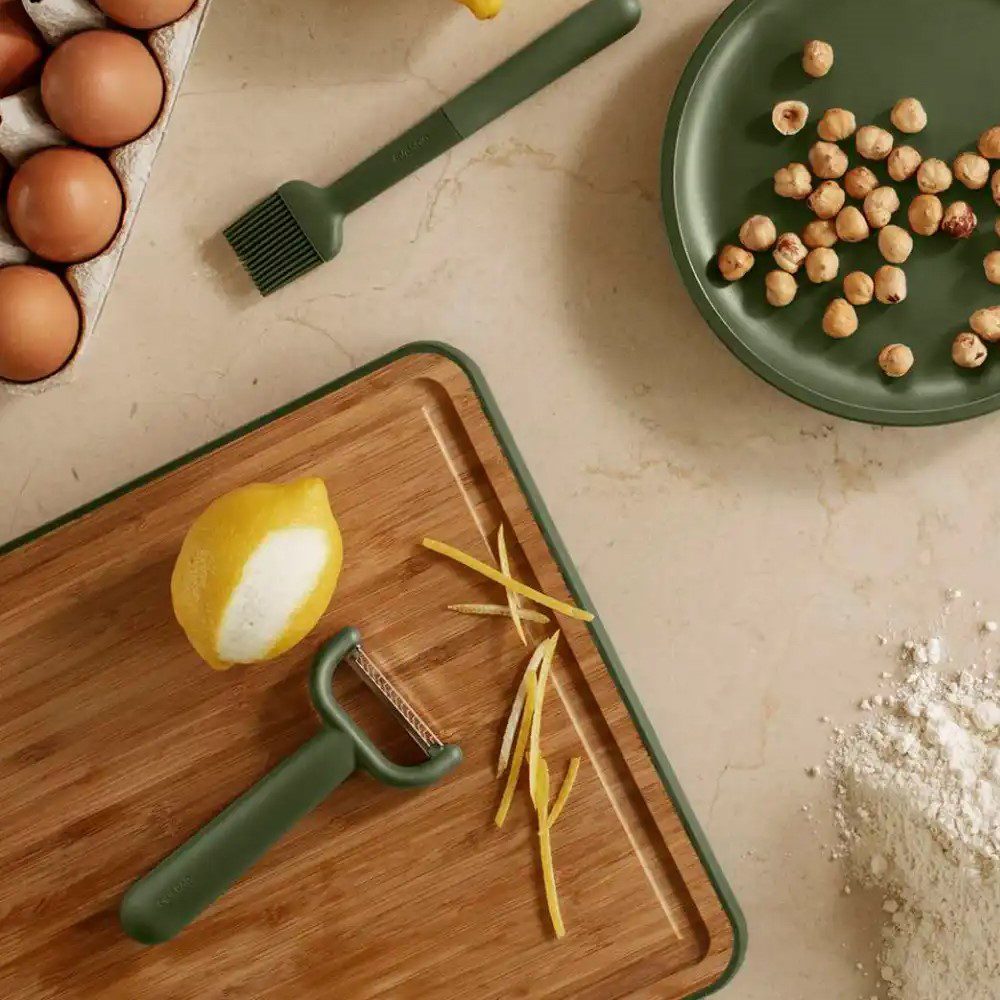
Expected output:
(380, 685)
(345, 647)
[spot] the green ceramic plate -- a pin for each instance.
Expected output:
(719, 155)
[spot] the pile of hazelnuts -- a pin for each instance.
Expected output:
(836, 221)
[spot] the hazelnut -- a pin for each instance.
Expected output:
(879, 206)
(836, 124)
(793, 181)
(819, 233)
(909, 116)
(840, 320)
(780, 288)
(903, 163)
(789, 252)
(968, 351)
(995, 187)
(734, 262)
(858, 288)
(989, 143)
(925, 213)
(758, 233)
(789, 117)
(890, 284)
(817, 57)
(972, 170)
(827, 200)
(895, 244)
(934, 176)
(991, 265)
(873, 143)
(859, 182)
(895, 360)
(959, 221)
(827, 160)
(822, 264)
(986, 323)
(851, 225)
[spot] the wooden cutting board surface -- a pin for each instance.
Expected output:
(116, 744)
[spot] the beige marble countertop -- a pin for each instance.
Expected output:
(743, 550)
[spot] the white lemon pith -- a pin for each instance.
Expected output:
(256, 571)
(277, 578)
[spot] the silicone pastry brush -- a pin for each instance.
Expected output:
(175, 893)
(301, 226)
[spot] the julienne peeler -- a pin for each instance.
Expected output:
(301, 226)
(175, 893)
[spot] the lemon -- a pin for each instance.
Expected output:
(484, 9)
(256, 571)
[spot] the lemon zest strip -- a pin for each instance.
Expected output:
(563, 796)
(500, 611)
(545, 848)
(512, 601)
(517, 708)
(534, 746)
(518, 759)
(470, 562)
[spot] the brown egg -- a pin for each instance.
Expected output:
(39, 323)
(102, 88)
(145, 14)
(64, 204)
(21, 49)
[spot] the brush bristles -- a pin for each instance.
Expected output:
(272, 246)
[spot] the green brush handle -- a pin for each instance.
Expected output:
(173, 894)
(569, 43)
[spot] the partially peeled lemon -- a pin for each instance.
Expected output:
(256, 571)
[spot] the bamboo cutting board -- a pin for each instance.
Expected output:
(116, 743)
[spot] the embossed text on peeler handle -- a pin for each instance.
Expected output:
(173, 894)
(570, 43)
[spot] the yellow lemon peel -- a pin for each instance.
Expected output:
(500, 611)
(526, 716)
(470, 562)
(512, 602)
(534, 745)
(564, 791)
(545, 847)
(517, 708)
(522, 741)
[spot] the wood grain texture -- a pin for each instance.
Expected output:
(116, 744)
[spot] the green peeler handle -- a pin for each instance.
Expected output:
(173, 894)
(567, 45)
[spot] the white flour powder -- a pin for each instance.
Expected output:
(918, 809)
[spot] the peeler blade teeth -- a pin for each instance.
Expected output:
(411, 720)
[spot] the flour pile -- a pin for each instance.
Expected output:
(918, 810)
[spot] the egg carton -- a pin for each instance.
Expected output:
(24, 130)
